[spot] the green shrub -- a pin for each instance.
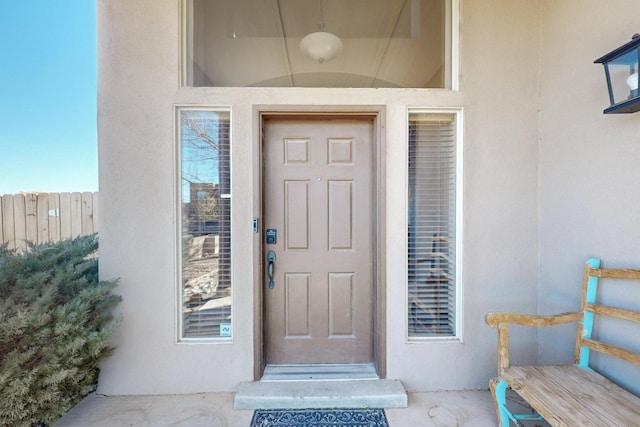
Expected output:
(55, 322)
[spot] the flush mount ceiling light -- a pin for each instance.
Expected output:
(321, 46)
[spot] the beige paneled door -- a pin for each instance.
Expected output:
(318, 201)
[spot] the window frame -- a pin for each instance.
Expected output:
(458, 316)
(178, 257)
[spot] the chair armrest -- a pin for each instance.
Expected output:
(501, 321)
(496, 319)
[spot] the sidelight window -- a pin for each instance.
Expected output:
(205, 226)
(432, 224)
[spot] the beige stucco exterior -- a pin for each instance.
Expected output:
(548, 181)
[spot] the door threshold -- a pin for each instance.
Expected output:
(320, 372)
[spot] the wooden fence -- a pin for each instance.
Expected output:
(46, 217)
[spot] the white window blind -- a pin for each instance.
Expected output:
(431, 225)
(206, 223)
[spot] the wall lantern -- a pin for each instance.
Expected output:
(621, 70)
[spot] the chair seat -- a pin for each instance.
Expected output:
(566, 395)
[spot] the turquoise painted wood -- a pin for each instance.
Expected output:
(505, 414)
(587, 323)
(501, 400)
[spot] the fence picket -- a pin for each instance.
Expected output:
(20, 222)
(87, 213)
(54, 217)
(65, 216)
(76, 214)
(42, 214)
(31, 219)
(8, 225)
(95, 212)
(46, 217)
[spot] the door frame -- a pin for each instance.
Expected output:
(377, 114)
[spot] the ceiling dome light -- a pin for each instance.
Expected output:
(321, 46)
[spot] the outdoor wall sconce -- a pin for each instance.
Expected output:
(621, 70)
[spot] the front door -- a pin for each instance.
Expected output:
(319, 237)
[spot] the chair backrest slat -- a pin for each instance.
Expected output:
(619, 313)
(584, 342)
(615, 273)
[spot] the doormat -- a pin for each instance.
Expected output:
(319, 418)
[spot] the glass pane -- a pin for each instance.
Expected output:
(623, 72)
(206, 223)
(380, 43)
(431, 225)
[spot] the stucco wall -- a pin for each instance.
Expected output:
(589, 162)
(499, 48)
(138, 85)
(138, 89)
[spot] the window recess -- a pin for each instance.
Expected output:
(431, 232)
(205, 226)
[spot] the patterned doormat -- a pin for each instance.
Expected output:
(319, 418)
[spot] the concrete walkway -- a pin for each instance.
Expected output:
(434, 409)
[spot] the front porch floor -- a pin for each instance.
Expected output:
(432, 409)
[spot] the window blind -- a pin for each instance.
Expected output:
(431, 225)
(206, 223)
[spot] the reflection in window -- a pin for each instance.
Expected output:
(205, 194)
(432, 225)
(384, 43)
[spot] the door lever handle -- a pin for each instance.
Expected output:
(271, 259)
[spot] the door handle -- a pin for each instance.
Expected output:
(271, 260)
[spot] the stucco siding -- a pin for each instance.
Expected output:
(545, 179)
(498, 50)
(588, 162)
(139, 76)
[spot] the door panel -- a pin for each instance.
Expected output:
(296, 220)
(341, 309)
(340, 215)
(297, 305)
(318, 195)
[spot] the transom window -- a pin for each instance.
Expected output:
(276, 43)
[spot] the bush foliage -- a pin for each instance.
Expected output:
(55, 317)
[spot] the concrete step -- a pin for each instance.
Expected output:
(321, 394)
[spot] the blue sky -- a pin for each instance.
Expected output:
(48, 87)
